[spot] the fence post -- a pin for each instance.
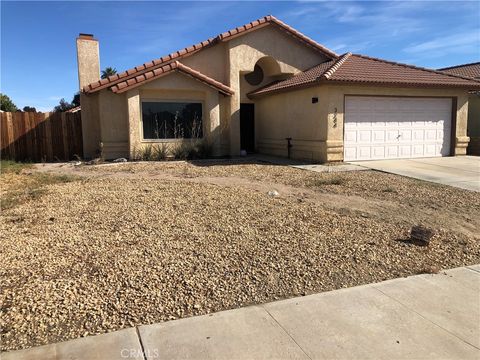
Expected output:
(40, 128)
(33, 132)
(10, 135)
(65, 136)
(25, 118)
(48, 136)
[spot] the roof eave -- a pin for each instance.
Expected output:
(404, 84)
(176, 67)
(253, 95)
(323, 81)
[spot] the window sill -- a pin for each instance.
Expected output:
(159, 141)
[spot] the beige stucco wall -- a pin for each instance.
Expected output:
(91, 131)
(174, 87)
(88, 59)
(317, 129)
(244, 51)
(211, 62)
(292, 114)
(473, 129)
(114, 124)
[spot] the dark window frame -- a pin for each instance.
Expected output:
(255, 77)
(190, 136)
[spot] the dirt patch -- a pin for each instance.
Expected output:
(386, 196)
(19, 184)
(144, 243)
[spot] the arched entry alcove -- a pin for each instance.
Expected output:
(265, 70)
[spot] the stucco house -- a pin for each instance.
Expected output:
(473, 127)
(253, 87)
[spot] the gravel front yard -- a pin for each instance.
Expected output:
(134, 244)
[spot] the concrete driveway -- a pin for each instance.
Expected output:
(458, 171)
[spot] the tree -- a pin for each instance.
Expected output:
(108, 71)
(6, 104)
(64, 105)
(76, 99)
(29, 109)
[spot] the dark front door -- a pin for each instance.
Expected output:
(247, 127)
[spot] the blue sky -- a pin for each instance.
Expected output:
(38, 56)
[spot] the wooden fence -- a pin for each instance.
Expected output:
(28, 136)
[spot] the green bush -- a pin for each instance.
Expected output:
(196, 149)
(185, 151)
(204, 149)
(147, 153)
(160, 152)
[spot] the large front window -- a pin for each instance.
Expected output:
(171, 120)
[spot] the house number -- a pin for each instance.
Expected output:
(335, 118)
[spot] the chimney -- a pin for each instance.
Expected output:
(88, 60)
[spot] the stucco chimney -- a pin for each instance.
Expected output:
(88, 60)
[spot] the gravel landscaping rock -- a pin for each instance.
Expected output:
(139, 243)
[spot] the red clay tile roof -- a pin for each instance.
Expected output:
(469, 70)
(74, 109)
(353, 68)
(226, 36)
(302, 79)
(165, 70)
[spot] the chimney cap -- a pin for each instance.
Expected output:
(86, 36)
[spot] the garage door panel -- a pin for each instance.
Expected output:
(418, 135)
(431, 149)
(405, 135)
(405, 151)
(378, 152)
(364, 152)
(418, 150)
(364, 136)
(440, 134)
(379, 136)
(350, 136)
(392, 151)
(389, 127)
(351, 152)
(431, 135)
(392, 135)
(357, 104)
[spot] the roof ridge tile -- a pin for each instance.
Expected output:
(99, 85)
(327, 74)
(459, 66)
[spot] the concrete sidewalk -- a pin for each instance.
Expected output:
(424, 316)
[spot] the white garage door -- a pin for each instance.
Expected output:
(390, 128)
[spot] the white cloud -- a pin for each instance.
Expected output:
(464, 41)
(338, 47)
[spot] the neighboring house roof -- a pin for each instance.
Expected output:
(353, 68)
(167, 69)
(469, 70)
(226, 36)
(74, 109)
